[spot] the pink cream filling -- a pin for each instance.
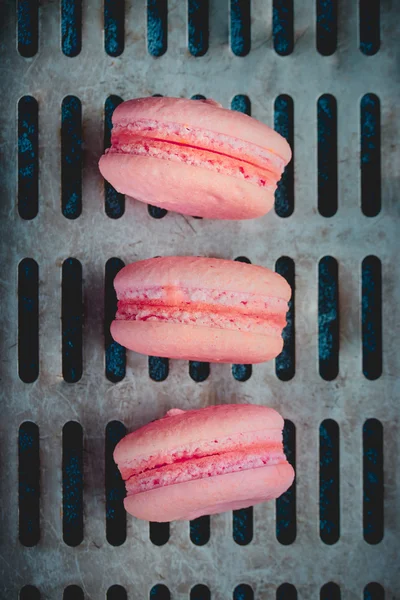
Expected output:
(192, 468)
(207, 308)
(199, 147)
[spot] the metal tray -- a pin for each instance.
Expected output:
(57, 487)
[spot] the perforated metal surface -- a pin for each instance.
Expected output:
(93, 400)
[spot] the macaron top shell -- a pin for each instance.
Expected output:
(203, 114)
(200, 273)
(241, 423)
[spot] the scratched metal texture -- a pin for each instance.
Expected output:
(92, 238)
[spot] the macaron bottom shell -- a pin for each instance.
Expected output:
(191, 342)
(215, 494)
(186, 189)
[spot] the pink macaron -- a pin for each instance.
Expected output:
(204, 309)
(194, 157)
(199, 462)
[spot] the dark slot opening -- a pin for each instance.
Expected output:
(285, 363)
(158, 368)
(72, 485)
(160, 592)
(282, 26)
(369, 26)
(330, 591)
(117, 592)
(371, 317)
(284, 124)
(200, 530)
(29, 592)
(72, 320)
(71, 157)
(200, 592)
(374, 591)
(199, 371)
(198, 26)
(328, 318)
(326, 26)
(240, 27)
(28, 157)
(114, 487)
(159, 534)
(243, 526)
(29, 484)
(373, 517)
(241, 103)
(113, 200)
(115, 353)
(286, 591)
(157, 26)
(114, 27)
(242, 372)
(28, 27)
(370, 155)
(28, 320)
(286, 520)
(73, 592)
(156, 212)
(329, 482)
(71, 27)
(327, 156)
(243, 592)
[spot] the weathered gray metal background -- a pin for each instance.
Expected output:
(93, 238)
